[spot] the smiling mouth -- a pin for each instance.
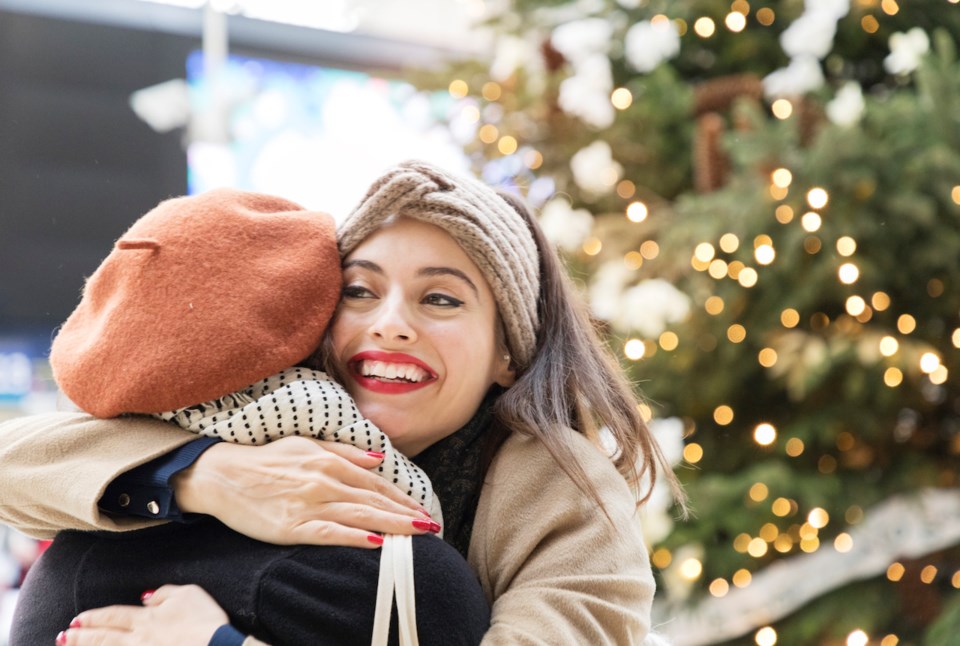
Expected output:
(395, 373)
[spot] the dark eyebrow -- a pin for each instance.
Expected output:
(425, 271)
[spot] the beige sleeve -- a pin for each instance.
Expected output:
(56, 467)
(557, 571)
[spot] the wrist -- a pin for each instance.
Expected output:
(196, 488)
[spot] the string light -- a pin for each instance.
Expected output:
(507, 145)
(766, 16)
(781, 177)
(704, 252)
(741, 578)
(748, 277)
(592, 246)
(734, 269)
(691, 569)
(736, 333)
(704, 27)
(818, 518)
(662, 558)
(740, 5)
(757, 548)
(719, 588)
(855, 305)
(955, 194)
(669, 341)
(890, 7)
(811, 222)
(626, 189)
(906, 324)
(769, 532)
(735, 21)
(811, 244)
(889, 346)
(843, 543)
(488, 133)
(766, 636)
(783, 543)
(758, 492)
(621, 98)
(533, 159)
(880, 301)
(780, 507)
(817, 198)
(765, 254)
(765, 434)
(729, 242)
(714, 305)
(794, 447)
(782, 109)
(723, 415)
(869, 24)
(955, 579)
(928, 574)
(892, 377)
(929, 362)
(895, 572)
(634, 349)
(778, 193)
(633, 260)
(491, 91)
(458, 89)
(693, 453)
(742, 542)
(892, 640)
(767, 357)
(857, 638)
(784, 214)
(637, 211)
(939, 375)
(717, 268)
(649, 249)
(846, 246)
(848, 273)
(789, 318)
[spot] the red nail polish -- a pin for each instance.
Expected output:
(427, 525)
(146, 595)
(425, 513)
(375, 539)
(61, 638)
(375, 454)
(75, 623)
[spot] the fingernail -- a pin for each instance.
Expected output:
(61, 638)
(375, 454)
(75, 623)
(427, 525)
(146, 595)
(376, 540)
(425, 513)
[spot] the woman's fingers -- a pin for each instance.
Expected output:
(112, 617)
(95, 637)
(364, 479)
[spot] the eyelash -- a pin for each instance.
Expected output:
(434, 299)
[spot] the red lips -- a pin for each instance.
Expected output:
(388, 387)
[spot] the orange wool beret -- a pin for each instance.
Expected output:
(202, 296)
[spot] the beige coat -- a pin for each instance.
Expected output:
(554, 568)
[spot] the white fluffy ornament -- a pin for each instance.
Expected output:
(648, 44)
(847, 106)
(565, 226)
(586, 94)
(650, 306)
(594, 169)
(802, 75)
(906, 51)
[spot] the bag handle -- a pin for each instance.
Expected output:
(396, 575)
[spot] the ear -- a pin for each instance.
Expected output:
(505, 374)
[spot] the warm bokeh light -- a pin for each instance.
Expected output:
(853, 515)
(812, 244)
(626, 189)
(729, 242)
(717, 268)
(794, 447)
(893, 377)
(765, 254)
(634, 349)
(811, 221)
(735, 21)
(846, 246)
(817, 198)
(939, 375)
(843, 543)
(789, 318)
(895, 572)
(649, 249)
(723, 415)
(781, 177)
(621, 98)
(704, 252)
(880, 301)
(757, 548)
(748, 277)
(889, 346)
(848, 273)
(869, 24)
(766, 636)
(719, 587)
(592, 246)
(713, 305)
(892, 640)
(741, 578)
(458, 89)
(491, 91)
(691, 569)
(818, 518)
(704, 27)
(765, 434)
(766, 16)
(767, 357)
(780, 507)
(906, 324)
(470, 113)
(633, 260)
(637, 211)
(488, 133)
(769, 532)
(507, 145)
(662, 558)
(758, 492)
(533, 159)
(784, 214)
(734, 269)
(928, 574)
(693, 453)
(736, 333)
(742, 542)
(890, 7)
(929, 362)
(782, 109)
(855, 305)
(857, 638)
(669, 341)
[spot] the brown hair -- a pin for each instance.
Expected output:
(575, 382)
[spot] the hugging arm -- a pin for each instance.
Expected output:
(556, 569)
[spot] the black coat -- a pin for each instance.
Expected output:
(284, 595)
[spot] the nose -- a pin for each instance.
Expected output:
(392, 322)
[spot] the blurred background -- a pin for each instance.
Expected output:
(759, 199)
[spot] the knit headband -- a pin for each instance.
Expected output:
(492, 234)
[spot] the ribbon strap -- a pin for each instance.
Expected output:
(396, 575)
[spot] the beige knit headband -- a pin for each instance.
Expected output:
(494, 236)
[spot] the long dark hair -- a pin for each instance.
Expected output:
(575, 382)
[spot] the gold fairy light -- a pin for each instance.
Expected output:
(794, 447)
(767, 357)
(758, 492)
(819, 321)
(621, 98)
(766, 16)
(811, 221)
(783, 543)
(757, 548)
(855, 305)
(893, 640)
(865, 315)
(735, 21)
(781, 177)
(634, 349)
(789, 318)
(626, 189)
(845, 441)
(723, 415)
(637, 211)
(812, 244)
(955, 579)
(491, 91)
(488, 133)
(458, 89)
(736, 333)
(693, 453)
(742, 577)
(734, 269)
(929, 362)
(846, 246)
(848, 273)
(533, 159)
(764, 434)
(742, 542)
(906, 324)
(681, 26)
(713, 305)
(893, 377)
(698, 264)
(818, 517)
(955, 194)
(669, 341)
(691, 569)
(869, 24)
(762, 239)
(935, 288)
(649, 250)
(470, 113)
(633, 260)
(719, 588)
(853, 515)
(729, 242)
(778, 193)
(769, 532)
(895, 572)
(843, 543)
(748, 277)
(810, 545)
(808, 531)
(765, 254)
(880, 301)
(782, 109)
(704, 27)
(784, 214)
(766, 636)
(889, 346)
(662, 558)
(928, 574)
(704, 252)
(939, 375)
(780, 507)
(717, 268)
(507, 145)
(857, 638)
(955, 337)
(890, 7)
(817, 197)
(592, 246)
(740, 5)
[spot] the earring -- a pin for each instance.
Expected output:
(506, 357)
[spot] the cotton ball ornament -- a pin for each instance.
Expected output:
(650, 306)
(906, 51)
(802, 75)
(648, 44)
(594, 169)
(580, 39)
(565, 226)
(586, 94)
(606, 289)
(847, 106)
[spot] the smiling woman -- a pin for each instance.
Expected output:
(460, 336)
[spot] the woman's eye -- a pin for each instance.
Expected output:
(442, 300)
(355, 291)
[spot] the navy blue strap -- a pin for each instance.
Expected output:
(145, 490)
(227, 635)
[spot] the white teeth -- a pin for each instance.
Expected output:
(383, 370)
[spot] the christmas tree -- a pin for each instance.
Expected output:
(762, 202)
